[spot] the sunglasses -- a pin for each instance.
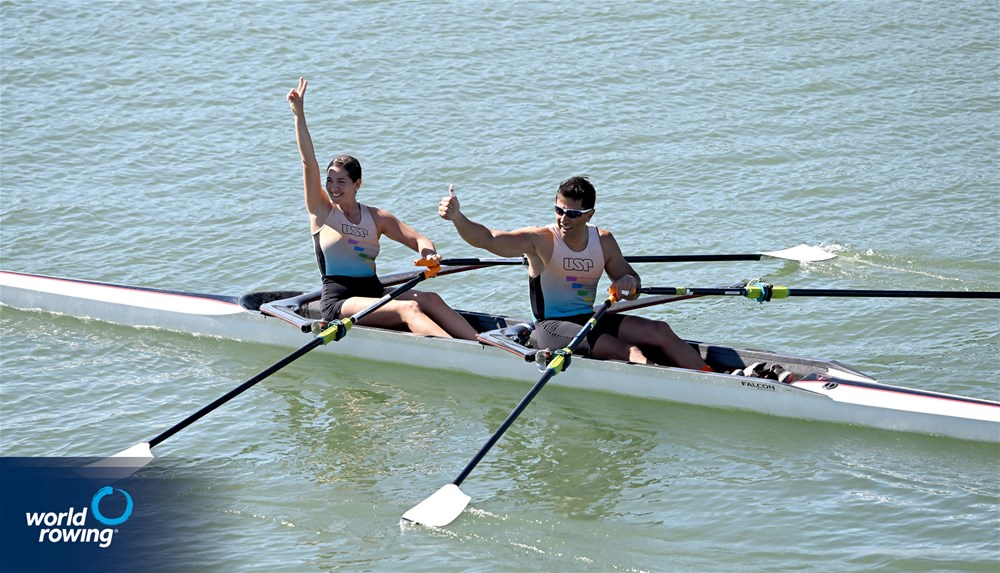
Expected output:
(572, 213)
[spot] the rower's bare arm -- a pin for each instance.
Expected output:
(500, 243)
(390, 226)
(317, 202)
(619, 270)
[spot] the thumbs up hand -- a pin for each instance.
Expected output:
(449, 207)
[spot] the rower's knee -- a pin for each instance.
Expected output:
(430, 301)
(410, 311)
(664, 337)
(663, 330)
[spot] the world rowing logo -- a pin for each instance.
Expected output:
(70, 526)
(95, 506)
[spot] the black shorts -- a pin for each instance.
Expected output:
(338, 288)
(556, 333)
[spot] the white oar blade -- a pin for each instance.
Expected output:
(803, 253)
(120, 465)
(439, 509)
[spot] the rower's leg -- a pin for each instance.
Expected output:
(556, 333)
(659, 335)
(608, 347)
(396, 315)
(434, 306)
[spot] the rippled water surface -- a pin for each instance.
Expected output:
(151, 144)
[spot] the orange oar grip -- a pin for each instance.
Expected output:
(614, 294)
(433, 267)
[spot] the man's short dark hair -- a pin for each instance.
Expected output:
(579, 187)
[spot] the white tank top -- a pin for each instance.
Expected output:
(568, 285)
(343, 248)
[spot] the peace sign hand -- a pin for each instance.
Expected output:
(296, 97)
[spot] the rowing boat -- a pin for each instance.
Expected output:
(823, 390)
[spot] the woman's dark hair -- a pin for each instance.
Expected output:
(349, 163)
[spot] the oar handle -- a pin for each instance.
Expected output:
(557, 365)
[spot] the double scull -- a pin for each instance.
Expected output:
(824, 390)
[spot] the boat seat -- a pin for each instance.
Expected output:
(255, 300)
(516, 339)
(522, 333)
(299, 309)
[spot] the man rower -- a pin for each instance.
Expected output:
(565, 262)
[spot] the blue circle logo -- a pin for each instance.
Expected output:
(96, 502)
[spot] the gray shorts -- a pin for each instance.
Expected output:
(554, 333)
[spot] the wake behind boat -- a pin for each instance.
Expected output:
(823, 390)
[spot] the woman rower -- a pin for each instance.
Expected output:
(346, 237)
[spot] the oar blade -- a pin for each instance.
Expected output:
(803, 253)
(120, 465)
(441, 508)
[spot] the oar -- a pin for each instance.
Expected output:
(447, 503)
(485, 262)
(140, 454)
(402, 277)
(802, 253)
(762, 292)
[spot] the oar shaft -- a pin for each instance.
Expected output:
(235, 392)
(323, 338)
(894, 293)
(736, 291)
(549, 373)
(553, 369)
(387, 297)
(399, 278)
(691, 258)
(784, 292)
(484, 262)
(802, 253)
(632, 259)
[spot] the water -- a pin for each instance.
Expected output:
(151, 144)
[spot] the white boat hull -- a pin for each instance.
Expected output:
(849, 397)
